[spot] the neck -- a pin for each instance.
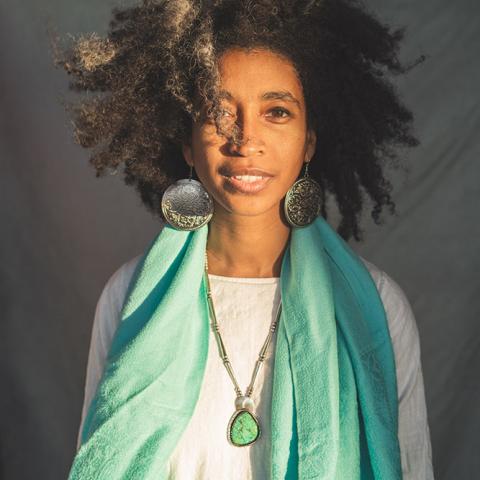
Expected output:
(246, 246)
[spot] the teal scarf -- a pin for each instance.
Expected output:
(334, 398)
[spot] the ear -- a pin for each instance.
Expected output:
(187, 154)
(311, 145)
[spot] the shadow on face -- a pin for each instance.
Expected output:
(262, 98)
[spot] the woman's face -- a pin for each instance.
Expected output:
(263, 96)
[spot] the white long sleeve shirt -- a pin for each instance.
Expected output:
(244, 308)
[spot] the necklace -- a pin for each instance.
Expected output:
(243, 428)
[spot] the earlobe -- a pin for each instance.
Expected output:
(187, 154)
(311, 145)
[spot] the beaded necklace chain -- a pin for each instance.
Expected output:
(244, 427)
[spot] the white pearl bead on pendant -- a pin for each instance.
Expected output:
(244, 402)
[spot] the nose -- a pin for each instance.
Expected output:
(247, 148)
(246, 141)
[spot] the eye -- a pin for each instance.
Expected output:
(226, 116)
(280, 112)
(225, 112)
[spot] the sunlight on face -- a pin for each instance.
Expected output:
(263, 96)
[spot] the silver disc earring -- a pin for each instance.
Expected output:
(186, 205)
(303, 201)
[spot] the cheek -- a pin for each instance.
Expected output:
(201, 150)
(206, 162)
(291, 156)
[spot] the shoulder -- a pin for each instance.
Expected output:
(402, 328)
(118, 282)
(112, 297)
(397, 306)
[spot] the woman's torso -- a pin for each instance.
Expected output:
(245, 308)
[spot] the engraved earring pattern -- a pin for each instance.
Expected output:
(186, 205)
(303, 201)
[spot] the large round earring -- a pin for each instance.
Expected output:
(303, 201)
(186, 205)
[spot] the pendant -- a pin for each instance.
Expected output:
(243, 427)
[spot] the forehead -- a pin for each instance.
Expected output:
(249, 74)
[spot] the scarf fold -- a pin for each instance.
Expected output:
(334, 397)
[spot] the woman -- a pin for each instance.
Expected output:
(272, 105)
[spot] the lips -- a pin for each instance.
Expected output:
(246, 180)
(240, 171)
(247, 186)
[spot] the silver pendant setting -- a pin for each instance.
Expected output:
(243, 428)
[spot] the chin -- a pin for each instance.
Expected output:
(248, 207)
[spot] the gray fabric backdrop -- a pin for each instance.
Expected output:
(64, 232)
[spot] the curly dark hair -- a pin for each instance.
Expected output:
(160, 57)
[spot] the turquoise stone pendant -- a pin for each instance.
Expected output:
(243, 428)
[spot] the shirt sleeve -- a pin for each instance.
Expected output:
(413, 429)
(106, 320)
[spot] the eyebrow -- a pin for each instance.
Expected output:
(280, 95)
